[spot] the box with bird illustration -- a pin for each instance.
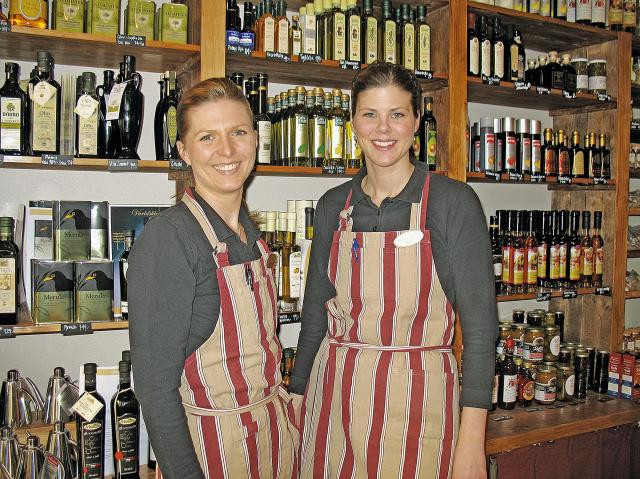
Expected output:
(93, 291)
(52, 289)
(72, 230)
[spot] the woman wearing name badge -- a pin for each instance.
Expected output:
(202, 310)
(396, 252)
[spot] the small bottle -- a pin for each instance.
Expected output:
(517, 58)
(44, 108)
(14, 133)
(576, 157)
(129, 237)
(247, 34)
(549, 154)
(508, 383)
(87, 117)
(9, 272)
(523, 146)
(485, 47)
(510, 145)
(423, 40)
(473, 55)
(125, 426)
(295, 46)
(369, 32)
(575, 251)
(564, 163)
(530, 254)
(543, 239)
(496, 250)
(529, 75)
(232, 24)
(598, 250)
(354, 31)
(282, 28)
(594, 157)
(616, 15)
(498, 48)
(428, 135)
(599, 14)
(487, 145)
(539, 73)
(526, 384)
(536, 148)
(605, 157)
(91, 434)
(499, 134)
(586, 252)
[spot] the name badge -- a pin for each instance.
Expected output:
(408, 238)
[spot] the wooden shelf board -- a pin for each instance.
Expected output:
(431, 5)
(269, 170)
(327, 74)
(527, 428)
(99, 51)
(81, 164)
(505, 94)
(544, 33)
(582, 183)
(632, 294)
(28, 328)
(633, 253)
(634, 211)
(554, 294)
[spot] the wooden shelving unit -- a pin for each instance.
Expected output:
(632, 294)
(81, 164)
(633, 253)
(27, 328)
(634, 211)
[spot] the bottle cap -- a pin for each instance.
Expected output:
(523, 126)
(7, 222)
(497, 125)
(126, 355)
(508, 124)
(58, 372)
(536, 127)
(90, 369)
(88, 81)
(11, 67)
(486, 122)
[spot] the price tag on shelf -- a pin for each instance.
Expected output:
(522, 86)
(545, 296)
(133, 40)
(289, 318)
(491, 80)
(564, 179)
(349, 65)
(600, 181)
(241, 50)
(75, 329)
(569, 294)
(278, 57)
(424, 74)
(7, 332)
(540, 90)
(635, 125)
(501, 418)
(87, 406)
(604, 291)
(516, 176)
(49, 159)
(493, 175)
(568, 94)
(178, 165)
(122, 164)
(533, 409)
(5, 27)
(538, 178)
(333, 170)
(603, 97)
(310, 58)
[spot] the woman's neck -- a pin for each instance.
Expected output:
(387, 182)
(227, 205)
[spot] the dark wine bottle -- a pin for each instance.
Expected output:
(9, 271)
(428, 135)
(508, 380)
(129, 237)
(91, 433)
(131, 110)
(262, 122)
(87, 117)
(125, 426)
(157, 118)
(108, 138)
(166, 125)
(14, 112)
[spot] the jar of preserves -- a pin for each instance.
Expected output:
(534, 344)
(550, 319)
(505, 333)
(534, 318)
(597, 76)
(564, 357)
(582, 73)
(565, 383)
(545, 392)
(518, 332)
(551, 343)
(518, 316)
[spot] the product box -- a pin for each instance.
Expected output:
(635, 392)
(173, 23)
(100, 230)
(626, 383)
(37, 240)
(105, 17)
(140, 18)
(615, 372)
(72, 230)
(52, 291)
(93, 291)
(68, 15)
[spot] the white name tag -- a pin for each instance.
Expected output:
(408, 238)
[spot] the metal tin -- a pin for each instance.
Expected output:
(565, 383)
(509, 124)
(534, 319)
(523, 126)
(93, 291)
(582, 74)
(551, 343)
(597, 76)
(51, 291)
(536, 127)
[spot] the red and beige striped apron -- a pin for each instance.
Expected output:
(382, 399)
(237, 411)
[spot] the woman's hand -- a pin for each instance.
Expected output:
(297, 400)
(469, 461)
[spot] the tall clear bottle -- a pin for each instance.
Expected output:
(125, 426)
(87, 117)
(282, 28)
(423, 40)
(91, 433)
(354, 32)
(335, 131)
(299, 131)
(14, 114)
(44, 108)
(317, 129)
(408, 39)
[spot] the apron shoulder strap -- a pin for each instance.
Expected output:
(346, 221)
(424, 202)
(219, 248)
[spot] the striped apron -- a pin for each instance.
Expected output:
(382, 399)
(239, 416)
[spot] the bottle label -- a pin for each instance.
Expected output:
(309, 34)
(561, 8)
(574, 265)
(390, 41)
(563, 163)
(10, 123)
(598, 11)
(335, 134)
(301, 138)
(126, 455)
(86, 106)
(172, 126)
(489, 151)
(615, 12)
(509, 388)
(432, 146)
(45, 117)
(510, 152)
(91, 466)
(554, 345)
(497, 267)
(557, 79)
(29, 9)
(518, 266)
(532, 266)
(534, 6)
(474, 56)
(247, 40)
(264, 142)
(571, 11)
(554, 262)
(506, 256)
(549, 161)
(545, 8)
(536, 156)
(114, 101)
(599, 261)
(513, 59)
(526, 154)
(578, 164)
(562, 271)
(546, 392)
(409, 47)
(269, 34)
(8, 282)
(372, 40)
(296, 43)
(486, 58)
(318, 127)
(354, 38)
(526, 389)
(339, 43)
(494, 391)
(597, 83)
(295, 262)
(570, 385)
(424, 48)
(42, 93)
(283, 36)
(498, 59)
(587, 261)
(88, 134)
(582, 82)
(583, 10)
(542, 261)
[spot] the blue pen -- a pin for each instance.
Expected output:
(355, 248)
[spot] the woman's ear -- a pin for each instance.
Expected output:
(182, 150)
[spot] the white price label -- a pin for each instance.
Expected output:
(115, 98)
(42, 93)
(86, 106)
(87, 406)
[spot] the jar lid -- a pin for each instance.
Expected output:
(550, 327)
(565, 368)
(519, 326)
(576, 60)
(546, 367)
(505, 325)
(534, 329)
(597, 61)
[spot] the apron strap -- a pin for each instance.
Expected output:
(219, 249)
(346, 222)
(424, 202)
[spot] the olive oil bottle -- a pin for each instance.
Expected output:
(91, 433)
(166, 126)
(354, 40)
(108, 135)
(338, 32)
(387, 35)
(29, 13)
(263, 122)
(423, 40)
(44, 107)
(320, 32)
(428, 135)
(282, 28)
(299, 139)
(317, 129)
(287, 131)
(576, 156)
(370, 34)
(408, 39)
(125, 426)
(14, 131)
(9, 272)
(335, 132)
(87, 117)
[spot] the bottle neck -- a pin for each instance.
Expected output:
(125, 380)
(90, 385)
(12, 78)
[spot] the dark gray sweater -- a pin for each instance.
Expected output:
(462, 256)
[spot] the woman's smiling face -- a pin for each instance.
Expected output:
(385, 124)
(220, 145)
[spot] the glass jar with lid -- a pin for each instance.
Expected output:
(551, 343)
(597, 76)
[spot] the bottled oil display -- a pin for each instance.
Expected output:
(334, 30)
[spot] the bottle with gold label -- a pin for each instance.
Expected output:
(428, 135)
(87, 115)
(564, 163)
(275, 131)
(576, 157)
(298, 130)
(262, 122)
(605, 157)
(14, 123)
(338, 31)
(350, 153)
(530, 254)
(423, 40)
(369, 34)
(335, 132)
(29, 13)
(308, 24)
(44, 108)
(586, 251)
(267, 29)
(387, 35)
(282, 28)
(408, 39)
(594, 157)
(616, 15)
(295, 39)
(598, 250)
(354, 23)
(327, 28)
(574, 253)
(317, 129)
(291, 263)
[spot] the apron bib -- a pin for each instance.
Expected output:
(382, 398)
(239, 415)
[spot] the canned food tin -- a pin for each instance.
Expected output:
(545, 392)
(597, 76)
(551, 343)
(565, 383)
(582, 73)
(534, 344)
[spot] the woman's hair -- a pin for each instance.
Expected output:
(207, 91)
(382, 74)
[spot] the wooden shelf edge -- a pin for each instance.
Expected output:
(634, 211)
(633, 253)
(22, 329)
(501, 298)
(81, 164)
(632, 294)
(480, 177)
